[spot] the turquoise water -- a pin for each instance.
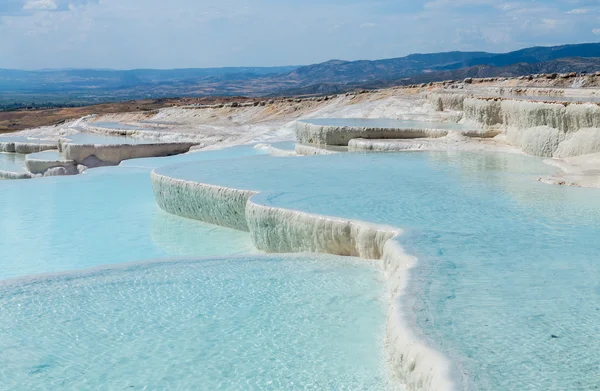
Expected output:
(220, 154)
(28, 140)
(45, 155)
(506, 285)
(64, 223)
(227, 323)
(105, 216)
(12, 162)
(284, 145)
(384, 123)
(507, 280)
(267, 323)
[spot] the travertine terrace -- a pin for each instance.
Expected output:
(543, 115)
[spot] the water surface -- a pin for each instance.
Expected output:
(250, 323)
(507, 280)
(12, 162)
(104, 216)
(384, 123)
(53, 155)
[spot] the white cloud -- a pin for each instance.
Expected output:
(578, 11)
(550, 23)
(163, 34)
(457, 3)
(40, 5)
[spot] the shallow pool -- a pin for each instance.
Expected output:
(12, 162)
(22, 139)
(53, 155)
(385, 123)
(104, 216)
(507, 280)
(249, 323)
(213, 155)
(190, 322)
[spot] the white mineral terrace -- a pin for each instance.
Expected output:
(41, 162)
(74, 153)
(526, 114)
(452, 117)
(279, 230)
(552, 129)
(340, 131)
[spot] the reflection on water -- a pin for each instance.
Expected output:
(12, 162)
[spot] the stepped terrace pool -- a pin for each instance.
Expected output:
(340, 131)
(385, 123)
(203, 317)
(12, 162)
(116, 125)
(105, 216)
(248, 323)
(505, 285)
(506, 282)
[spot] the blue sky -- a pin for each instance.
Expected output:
(127, 34)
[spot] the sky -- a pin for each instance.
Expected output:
(127, 34)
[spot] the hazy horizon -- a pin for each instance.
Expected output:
(255, 66)
(133, 34)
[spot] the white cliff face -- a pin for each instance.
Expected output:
(549, 129)
(113, 154)
(42, 164)
(482, 111)
(539, 140)
(23, 147)
(279, 230)
(583, 142)
(212, 204)
(308, 133)
(446, 101)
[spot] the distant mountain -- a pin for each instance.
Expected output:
(75, 80)
(430, 65)
(563, 65)
(360, 71)
(531, 56)
(84, 86)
